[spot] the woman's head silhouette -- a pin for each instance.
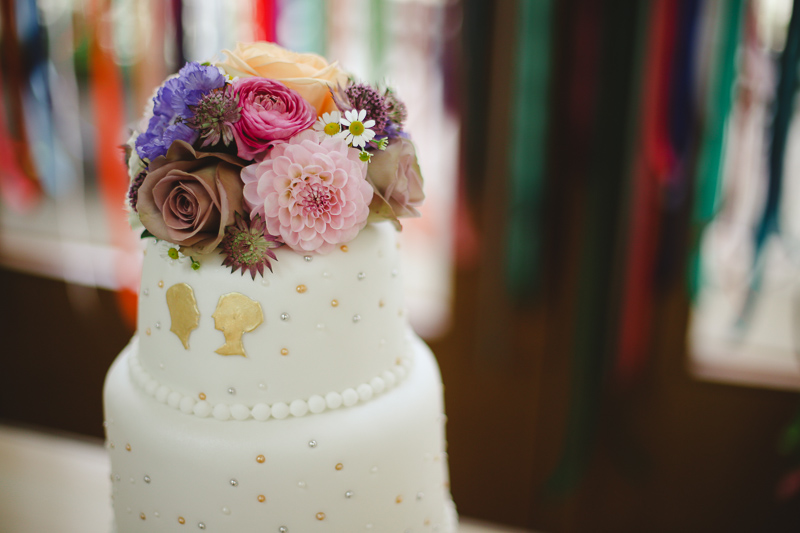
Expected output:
(236, 314)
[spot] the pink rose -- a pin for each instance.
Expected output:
(189, 197)
(270, 112)
(394, 174)
(312, 192)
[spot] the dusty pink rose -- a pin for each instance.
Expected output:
(394, 174)
(312, 193)
(270, 112)
(189, 197)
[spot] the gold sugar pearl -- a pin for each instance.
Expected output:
(320, 516)
(262, 498)
(344, 247)
(142, 516)
(160, 284)
(128, 447)
(399, 499)
(334, 303)
(147, 331)
(380, 303)
(284, 351)
(301, 289)
(260, 459)
(202, 395)
(339, 466)
(181, 520)
(427, 522)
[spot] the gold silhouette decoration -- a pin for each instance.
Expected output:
(236, 314)
(182, 311)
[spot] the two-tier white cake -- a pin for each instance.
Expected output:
(274, 384)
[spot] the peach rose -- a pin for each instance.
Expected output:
(308, 74)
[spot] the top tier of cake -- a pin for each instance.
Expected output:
(317, 324)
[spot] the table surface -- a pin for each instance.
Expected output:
(52, 482)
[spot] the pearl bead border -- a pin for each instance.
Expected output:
(262, 411)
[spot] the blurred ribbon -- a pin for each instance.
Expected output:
(784, 108)
(107, 99)
(19, 184)
(529, 114)
(653, 163)
(265, 19)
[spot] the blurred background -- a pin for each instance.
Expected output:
(607, 267)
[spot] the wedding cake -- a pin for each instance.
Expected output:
(274, 384)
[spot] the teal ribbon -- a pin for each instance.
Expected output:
(784, 108)
(529, 114)
(718, 105)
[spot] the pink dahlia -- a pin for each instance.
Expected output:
(312, 193)
(270, 112)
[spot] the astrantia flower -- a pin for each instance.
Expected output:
(366, 97)
(358, 129)
(171, 252)
(247, 246)
(172, 108)
(133, 191)
(328, 124)
(312, 192)
(215, 115)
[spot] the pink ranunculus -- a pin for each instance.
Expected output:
(270, 112)
(312, 192)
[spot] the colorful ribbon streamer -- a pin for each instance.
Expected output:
(529, 113)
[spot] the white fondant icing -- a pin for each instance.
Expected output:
(382, 445)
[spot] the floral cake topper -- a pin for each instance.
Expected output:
(268, 148)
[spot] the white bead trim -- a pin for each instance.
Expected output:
(261, 411)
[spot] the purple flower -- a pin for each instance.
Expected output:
(171, 109)
(363, 96)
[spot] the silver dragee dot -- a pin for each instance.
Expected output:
(156, 514)
(262, 386)
(145, 292)
(361, 276)
(348, 494)
(307, 258)
(231, 390)
(326, 274)
(226, 510)
(312, 444)
(284, 316)
(320, 326)
(116, 477)
(301, 484)
(282, 529)
(394, 273)
(420, 495)
(147, 479)
(356, 318)
(201, 525)
(158, 325)
(234, 483)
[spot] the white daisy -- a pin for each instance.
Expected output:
(358, 131)
(171, 252)
(328, 125)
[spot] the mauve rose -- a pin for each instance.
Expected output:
(394, 174)
(270, 112)
(189, 197)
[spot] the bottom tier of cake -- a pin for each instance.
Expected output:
(376, 466)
